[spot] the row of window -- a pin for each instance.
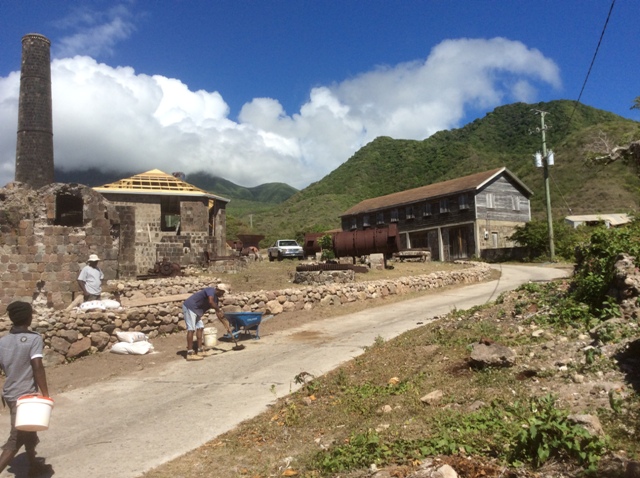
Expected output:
(411, 211)
(428, 209)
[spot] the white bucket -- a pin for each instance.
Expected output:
(210, 336)
(33, 413)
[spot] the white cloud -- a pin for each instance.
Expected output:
(97, 32)
(114, 119)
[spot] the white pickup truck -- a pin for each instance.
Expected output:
(284, 248)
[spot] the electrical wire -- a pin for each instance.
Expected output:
(593, 60)
(577, 102)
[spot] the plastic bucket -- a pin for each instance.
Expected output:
(210, 336)
(33, 413)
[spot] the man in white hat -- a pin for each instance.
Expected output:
(193, 309)
(90, 279)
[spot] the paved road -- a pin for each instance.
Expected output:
(128, 425)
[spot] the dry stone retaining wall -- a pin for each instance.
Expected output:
(72, 333)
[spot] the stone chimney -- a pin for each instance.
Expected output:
(34, 150)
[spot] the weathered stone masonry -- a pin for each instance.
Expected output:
(69, 334)
(34, 148)
(47, 235)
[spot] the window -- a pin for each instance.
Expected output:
(444, 206)
(365, 221)
(380, 218)
(490, 201)
(69, 211)
(427, 210)
(394, 215)
(409, 212)
(354, 223)
(169, 213)
(515, 203)
(463, 202)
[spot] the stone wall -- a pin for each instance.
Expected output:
(69, 334)
(39, 255)
(152, 244)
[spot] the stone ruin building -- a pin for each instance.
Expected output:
(48, 229)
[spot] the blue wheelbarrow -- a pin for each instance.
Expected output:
(246, 322)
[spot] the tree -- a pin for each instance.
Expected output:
(602, 150)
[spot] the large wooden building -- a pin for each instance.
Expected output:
(462, 218)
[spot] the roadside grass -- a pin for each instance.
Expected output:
(371, 411)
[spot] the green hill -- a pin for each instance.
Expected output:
(271, 193)
(501, 138)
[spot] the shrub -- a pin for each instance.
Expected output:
(596, 260)
(534, 236)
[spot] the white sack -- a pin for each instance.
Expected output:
(131, 337)
(134, 348)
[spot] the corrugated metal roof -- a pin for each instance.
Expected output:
(156, 182)
(613, 219)
(459, 185)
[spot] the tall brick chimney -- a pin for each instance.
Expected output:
(34, 150)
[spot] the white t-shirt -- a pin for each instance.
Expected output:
(92, 278)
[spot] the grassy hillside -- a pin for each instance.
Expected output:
(272, 193)
(501, 138)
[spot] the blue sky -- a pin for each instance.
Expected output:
(264, 91)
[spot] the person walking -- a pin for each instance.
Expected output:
(193, 309)
(90, 279)
(21, 361)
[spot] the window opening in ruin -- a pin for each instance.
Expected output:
(69, 211)
(170, 213)
(379, 218)
(365, 221)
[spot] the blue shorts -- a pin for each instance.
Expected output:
(191, 318)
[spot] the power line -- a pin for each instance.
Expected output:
(593, 60)
(584, 84)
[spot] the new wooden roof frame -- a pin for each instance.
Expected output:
(156, 182)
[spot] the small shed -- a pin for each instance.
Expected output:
(173, 219)
(609, 220)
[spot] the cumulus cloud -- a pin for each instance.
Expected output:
(114, 119)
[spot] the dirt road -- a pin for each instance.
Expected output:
(130, 423)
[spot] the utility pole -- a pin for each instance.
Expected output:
(545, 160)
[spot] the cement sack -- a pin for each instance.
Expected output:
(134, 348)
(99, 305)
(131, 337)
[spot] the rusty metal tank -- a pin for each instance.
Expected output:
(310, 245)
(383, 240)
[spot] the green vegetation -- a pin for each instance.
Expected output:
(534, 235)
(538, 429)
(596, 260)
(372, 410)
(499, 139)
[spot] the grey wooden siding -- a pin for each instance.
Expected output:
(502, 201)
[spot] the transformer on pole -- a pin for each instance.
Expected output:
(544, 160)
